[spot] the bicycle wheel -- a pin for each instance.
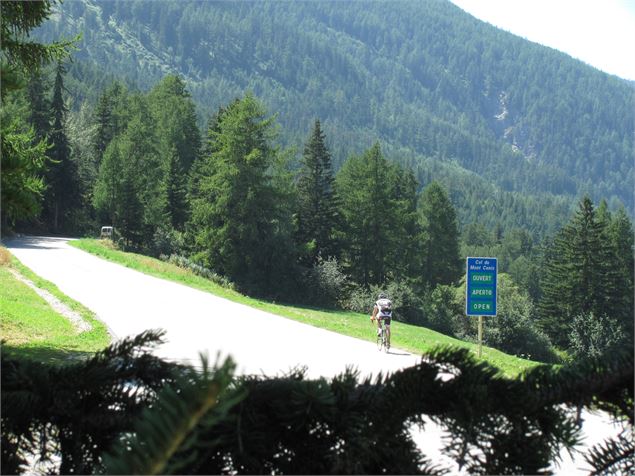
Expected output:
(380, 340)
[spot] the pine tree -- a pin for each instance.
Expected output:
(179, 141)
(405, 257)
(174, 112)
(19, 55)
(239, 221)
(440, 236)
(620, 235)
(176, 190)
(23, 158)
(130, 188)
(317, 203)
(81, 133)
(108, 185)
(177, 419)
(62, 195)
(373, 233)
(111, 117)
(143, 177)
(39, 105)
(129, 208)
(22, 187)
(104, 123)
(579, 275)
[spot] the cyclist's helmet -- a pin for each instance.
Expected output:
(382, 296)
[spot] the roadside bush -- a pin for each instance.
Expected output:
(406, 304)
(513, 330)
(166, 241)
(593, 336)
(519, 336)
(183, 262)
(443, 312)
(325, 283)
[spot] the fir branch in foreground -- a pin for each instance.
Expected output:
(163, 429)
(614, 456)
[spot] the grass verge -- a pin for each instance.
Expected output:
(32, 329)
(414, 339)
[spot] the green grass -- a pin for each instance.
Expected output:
(32, 329)
(408, 337)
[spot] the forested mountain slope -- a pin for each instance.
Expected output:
(511, 127)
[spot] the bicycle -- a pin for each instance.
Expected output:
(382, 338)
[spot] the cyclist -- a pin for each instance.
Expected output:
(382, 310)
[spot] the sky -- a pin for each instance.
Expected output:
(599, 32)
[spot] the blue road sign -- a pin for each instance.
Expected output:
(481, 287)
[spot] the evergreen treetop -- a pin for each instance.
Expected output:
(317, 212)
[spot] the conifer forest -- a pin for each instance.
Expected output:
(318, 153)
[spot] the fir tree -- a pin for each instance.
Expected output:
(111, 117)
(579, 276)
(175, 120)
(317, 203)
(405, 257)
(240, 223)
(376, 208)
(19, 55)
(437, 217)
(179, 141)
(108, 185)
(104, 124)
(367, 215)
(23, 157)
(62, 196)
(22, 186)
(176, 190)
(143, 197)
(130, 187)
(620, 235)
(39, 105)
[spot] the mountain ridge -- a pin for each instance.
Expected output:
(425, 78)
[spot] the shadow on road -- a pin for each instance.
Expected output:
(392, 352)
(33, 242)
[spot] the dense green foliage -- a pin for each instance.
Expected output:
(486, 142)
(174, 419)
(377, 217)
(20, 54)
(345, 221)
(23, 149)
(62, 195)
(22, 164)
(447, 95)
(230, 205)
(440, 237)
(585, 275)
(142, 149)
(317, 217)
(241, 222)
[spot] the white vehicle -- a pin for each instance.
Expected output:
(106, 232)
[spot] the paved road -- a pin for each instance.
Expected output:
(130, 302)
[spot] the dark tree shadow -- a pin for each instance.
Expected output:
(44, 353)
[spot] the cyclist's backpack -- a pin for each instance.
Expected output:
(385, 307)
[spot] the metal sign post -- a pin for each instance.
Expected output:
(481, 280)
(480, 336)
